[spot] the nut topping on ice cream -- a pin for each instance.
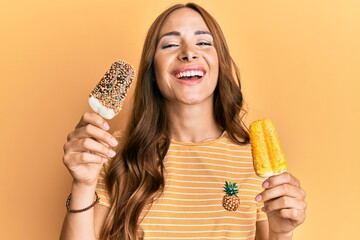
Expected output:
(108, 96)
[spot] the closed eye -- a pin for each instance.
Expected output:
(204, 44)
(170, 45)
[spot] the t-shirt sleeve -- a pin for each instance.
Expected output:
(101, 187)
(260, 215)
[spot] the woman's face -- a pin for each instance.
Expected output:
(186, 62)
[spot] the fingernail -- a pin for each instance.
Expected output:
(258, 198)
(266, 184)
(111, 153)
(113, 142)
(106, 126)
(263, 209)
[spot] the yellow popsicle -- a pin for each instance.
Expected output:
(268, 157)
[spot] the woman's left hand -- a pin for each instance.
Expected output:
(284, 203)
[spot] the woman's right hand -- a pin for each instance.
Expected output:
(87, 148)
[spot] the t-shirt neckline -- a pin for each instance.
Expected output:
(207, 141)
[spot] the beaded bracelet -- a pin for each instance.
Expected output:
(97, 199)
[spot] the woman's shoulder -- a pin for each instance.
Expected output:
(120, 138)
(236, 141)
(119, 135)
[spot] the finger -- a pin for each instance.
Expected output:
(91, 131)
(284, 203)
(280, 191)
(283, 178)
(89, 145)
(74, 159)
(94, 119)
(296, 216)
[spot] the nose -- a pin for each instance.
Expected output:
(188, 54)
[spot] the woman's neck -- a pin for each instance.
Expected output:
(193, 123)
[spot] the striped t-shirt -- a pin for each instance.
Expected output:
(191, 204)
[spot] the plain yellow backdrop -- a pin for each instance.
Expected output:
(299, 62)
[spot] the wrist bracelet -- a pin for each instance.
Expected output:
(80, 210)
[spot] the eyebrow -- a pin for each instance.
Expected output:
(175, 33)
(202, 32)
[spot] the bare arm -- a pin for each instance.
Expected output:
(87, 224)
(262, 230)
(87, 149)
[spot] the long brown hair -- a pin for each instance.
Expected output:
(135, 176)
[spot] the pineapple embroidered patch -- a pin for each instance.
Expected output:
(231, 201)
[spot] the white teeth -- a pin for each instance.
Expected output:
(191, 73)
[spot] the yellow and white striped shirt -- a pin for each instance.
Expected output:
(191, 204)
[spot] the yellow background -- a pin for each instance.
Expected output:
(299, 62)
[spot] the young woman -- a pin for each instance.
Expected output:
(185, 139)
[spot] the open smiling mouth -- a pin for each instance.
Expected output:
(190, 75)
